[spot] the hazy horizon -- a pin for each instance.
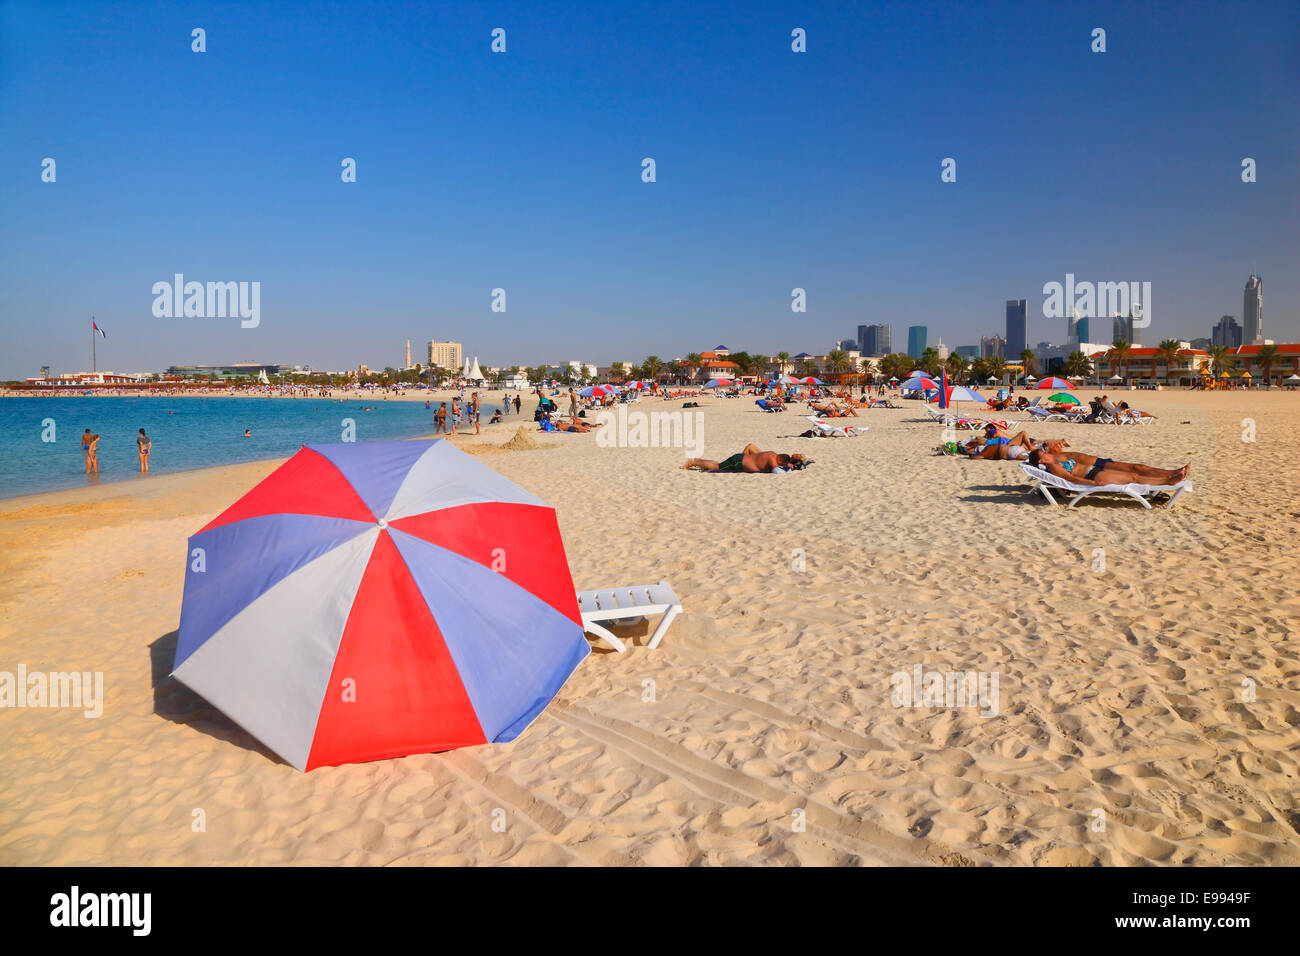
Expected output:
(522, 171)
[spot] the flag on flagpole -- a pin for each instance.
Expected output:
(943, 389)
(96, 328)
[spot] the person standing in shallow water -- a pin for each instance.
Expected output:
(143, 446)
(90, 445)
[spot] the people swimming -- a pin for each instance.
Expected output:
(751, 460)
(248, 433)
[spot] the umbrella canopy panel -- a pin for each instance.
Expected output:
(374, 600)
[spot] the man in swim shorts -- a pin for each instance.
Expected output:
(753, 460)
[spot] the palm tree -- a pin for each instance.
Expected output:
(837, 360)
(783, 360)
(1168, 352)
(1119, 354)
(979, 371)
(761, 364)
(652, 366)
(692, 364)
(955, 365)
(1077, 365)
(1266, 358)
(1218, 360)
(997, 367)
(929, 362)
(807, 368)
(617, 371)
(1028, 361)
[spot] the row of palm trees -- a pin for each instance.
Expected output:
(838, 363)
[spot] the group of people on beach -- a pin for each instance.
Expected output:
(90, 448)
(464, 413)
(1051, 455)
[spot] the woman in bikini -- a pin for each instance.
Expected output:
(1084, 469)
(143, 446)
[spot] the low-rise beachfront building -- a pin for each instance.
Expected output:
(1245, 358)
(1148, 365)
(233, 370)
(718, 368)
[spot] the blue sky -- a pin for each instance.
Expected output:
(522, 171)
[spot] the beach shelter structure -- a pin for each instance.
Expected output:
(372, 600)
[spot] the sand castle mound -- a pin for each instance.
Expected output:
(523, 440)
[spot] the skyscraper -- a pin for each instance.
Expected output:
(1081, 330)
(1119, 328)
(862, 340)
(916, 336)
(878, 339)
(1252, 312)
(1017, 327)
(991, 346)
(1226, 332)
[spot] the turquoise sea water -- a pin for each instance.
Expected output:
(186, 433)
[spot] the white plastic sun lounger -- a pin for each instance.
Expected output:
(619, 606)
(1042, 480)
(836, 431)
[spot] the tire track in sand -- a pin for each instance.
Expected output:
(724, 785)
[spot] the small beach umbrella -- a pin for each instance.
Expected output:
(717, 383)
(1292, 378)
(372, 600)
(1061, 398)
(1053, 382)
(917, 384)
(599, 391)
(1115, 378)
(1246, 375)
(811, 380)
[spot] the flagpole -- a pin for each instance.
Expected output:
(94, 355)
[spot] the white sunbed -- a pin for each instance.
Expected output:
(623, 606)
(1043, 479)
(835, 431)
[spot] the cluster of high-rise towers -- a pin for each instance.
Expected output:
(874, 340)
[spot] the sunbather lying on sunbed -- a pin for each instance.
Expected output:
(754, 460)
(1130, 413)
(1089, 470)
(833, 411)
(574, 425)
(996, 445)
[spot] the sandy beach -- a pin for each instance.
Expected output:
(1127, 645)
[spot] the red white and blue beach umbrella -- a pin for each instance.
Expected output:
(1053, 382)
(372, 600)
